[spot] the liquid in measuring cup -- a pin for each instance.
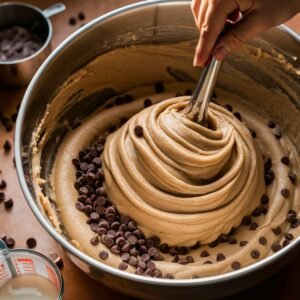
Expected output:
(28, 287)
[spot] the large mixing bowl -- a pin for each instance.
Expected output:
(143, 23)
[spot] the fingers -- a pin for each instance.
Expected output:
(195, 6)
(215, 16)
(241, 32)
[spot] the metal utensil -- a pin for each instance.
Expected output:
(19, 72)
(197, 109)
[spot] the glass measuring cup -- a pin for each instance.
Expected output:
(18, 262)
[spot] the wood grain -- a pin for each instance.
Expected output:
(20, 223)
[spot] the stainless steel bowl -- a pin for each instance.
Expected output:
(153, 22)
(18, 73)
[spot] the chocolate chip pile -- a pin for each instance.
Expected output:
(121, 235)
(18, 42)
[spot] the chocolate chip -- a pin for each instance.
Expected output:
(115, 249)
(285, 243)
(288, 236)
(31, 243)
(232, 240)
(56, 259)
(235, 265)
(81, 16)
(3, 184)
(267, 164)
(276, 247)
(182, 261)
(213, 244)
(257, 212)
(103, 255)
(255, 254)
(269, 177)
(152, 251)
(208, 262)
(253, 133)
(168, 276)
(138, 130)
(123, 266)
(9, 203)
(285, 193)
(295, 224)
(262, 240)
(183, 250)
(243, 243)
(164, 248)
(253, 226)
(196, 246)
(2, 196)
(133, 261)
(271, 124)
(220, 257)
(10, 242)
(7, 146)
(150, 265)
(228, 107)
(238, 116)
(72, 21)
(128, 98)
(204, 253)
(292, 177)
(264, 199)
(132, 240)
(125, 256)
(159, 87)
(3, 237)
(195, 276)
(285, 160)
(147, 102)
(109, 242)
(95, 240)
(246, 221)
(190, 259)
(126, 248)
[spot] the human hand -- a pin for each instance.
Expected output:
(258, 16)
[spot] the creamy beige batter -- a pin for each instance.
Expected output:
(195, 190)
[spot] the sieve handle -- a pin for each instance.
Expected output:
(5, 252)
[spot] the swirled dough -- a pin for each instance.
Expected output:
(181, 181)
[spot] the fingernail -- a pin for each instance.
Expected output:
(220, 53)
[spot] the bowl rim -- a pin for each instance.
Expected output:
(45, 43)
(72, 250)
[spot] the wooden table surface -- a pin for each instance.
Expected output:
(19, 221)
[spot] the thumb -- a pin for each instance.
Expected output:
(232, 39)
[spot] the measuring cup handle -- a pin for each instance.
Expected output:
(53, 10)
(2, 245)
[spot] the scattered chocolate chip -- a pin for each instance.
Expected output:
(57, 260)
(255, 254)
(253, 133)
(288, 236)
(147, 102)
(246, 221)
(238, 116)
(159, 87)
(228, 107)
(3, 237)
(196, 246)
(262, 240)
(195, 276)
(10, 242)
(235, 265)
(31, 243)
(14, 117)
(243, 243)
(7, 146)
(190, 259)
(232, 240)
(257, 212)
(72, 21)
(269, 177)
(285, 243)
(264, 199)
(138, 130)
(285, 160)
(253, 226)
(292, 177)
(213, 244)
(123, 266)
(271, 124)
(2, 196)
(295, 224)
(208, 262)
(277, 230)
(285, 193)
(9, 203)
(3, 184)
(164, 248)
(95, 240)
(103, 255)
(276, 247)
(220, 257)
(81, 16)
(267, 164)
(204, 253)
(168, 276)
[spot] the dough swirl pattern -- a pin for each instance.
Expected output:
(180, 181)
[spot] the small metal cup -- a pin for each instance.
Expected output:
(18, 73)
